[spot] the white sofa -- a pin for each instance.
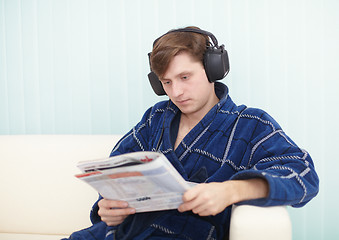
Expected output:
(42, 200)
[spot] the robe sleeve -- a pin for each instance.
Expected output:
(272, 155)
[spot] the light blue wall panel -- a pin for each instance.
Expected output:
(79, 63)
(46, 65)
(80, 67)
(14, 68)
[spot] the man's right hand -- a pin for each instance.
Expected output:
(114, 212)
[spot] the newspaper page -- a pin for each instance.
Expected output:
(146, 180)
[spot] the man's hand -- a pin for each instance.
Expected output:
(114, 212)
(212, 198)
(207, 198)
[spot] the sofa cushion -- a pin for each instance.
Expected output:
(40, 194)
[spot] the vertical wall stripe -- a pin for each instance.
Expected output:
(14, 67)
(30, 68)
(4, 114)
(79, 65)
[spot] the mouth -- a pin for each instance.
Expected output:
(181, 102)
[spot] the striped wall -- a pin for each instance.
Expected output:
(80, 67)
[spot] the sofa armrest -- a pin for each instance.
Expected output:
(252, 222)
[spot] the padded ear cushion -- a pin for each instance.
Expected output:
(216, 64)
(156, 84)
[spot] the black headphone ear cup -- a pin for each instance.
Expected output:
(156, 84)
(216, 64)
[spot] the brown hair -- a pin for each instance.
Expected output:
(173, 43)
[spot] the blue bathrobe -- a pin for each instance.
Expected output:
(230, 142)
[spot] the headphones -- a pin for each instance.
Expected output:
(215, 61)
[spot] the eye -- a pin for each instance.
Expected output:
(185, 77)
(165, 82)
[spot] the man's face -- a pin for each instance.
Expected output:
(186, 84)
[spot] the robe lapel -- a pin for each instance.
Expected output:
(221, 116)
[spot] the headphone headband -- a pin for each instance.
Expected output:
(193, 30)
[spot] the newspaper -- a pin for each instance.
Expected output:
(146, 180)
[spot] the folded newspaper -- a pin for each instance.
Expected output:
(146, 180)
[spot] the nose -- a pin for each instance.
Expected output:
(177, 89)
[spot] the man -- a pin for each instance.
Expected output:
(237, 154)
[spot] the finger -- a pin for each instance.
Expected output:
(187, 206)
(192, 193)
(121, 211)
(113, 218)
(204, 213)
(209, 208)
(112, 203)
(115, 212)
(199, 209)
(113, 221)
